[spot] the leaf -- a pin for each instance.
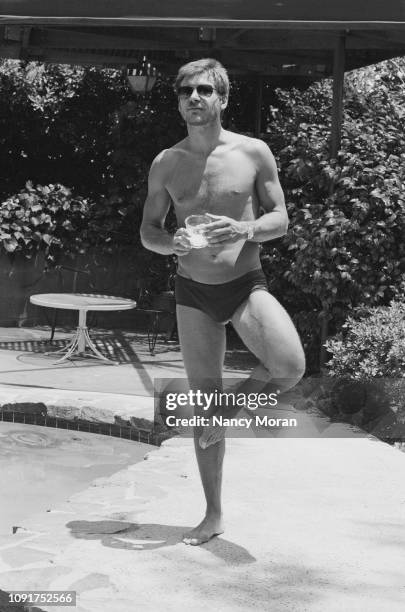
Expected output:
(10, 245)
(47, 238)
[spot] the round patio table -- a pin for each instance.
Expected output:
(83, 302)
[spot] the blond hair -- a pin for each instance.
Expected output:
(208, 66)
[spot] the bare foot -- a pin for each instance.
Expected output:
(207, 529)
(211, 435)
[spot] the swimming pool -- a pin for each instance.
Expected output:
(40, 467)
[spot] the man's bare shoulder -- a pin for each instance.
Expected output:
(166, 158)
(250, 145)
(165, 162)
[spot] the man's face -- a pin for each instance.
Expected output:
(199, 102)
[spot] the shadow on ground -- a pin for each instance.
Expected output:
(150, 536)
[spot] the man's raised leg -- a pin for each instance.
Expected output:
(268, 332)
(203, 342)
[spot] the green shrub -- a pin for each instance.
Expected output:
(48, 218)
(345, 244)
(62, 225)
(367, 383)
(372, 344)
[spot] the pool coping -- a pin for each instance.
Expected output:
(124, 416)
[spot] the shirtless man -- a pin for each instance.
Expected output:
(234, 179)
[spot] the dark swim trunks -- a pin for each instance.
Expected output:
(218, 301)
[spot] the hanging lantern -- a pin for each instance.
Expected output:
(141, 76)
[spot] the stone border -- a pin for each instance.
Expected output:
(84, 418)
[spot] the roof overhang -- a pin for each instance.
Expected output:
(289, 37)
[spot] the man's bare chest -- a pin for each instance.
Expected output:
(203, 184)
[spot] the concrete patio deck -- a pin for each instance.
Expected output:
(312, 523)
(26, 374)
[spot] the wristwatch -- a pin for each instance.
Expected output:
(250, 231)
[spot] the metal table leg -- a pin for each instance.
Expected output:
(153, 333)
(79, 342)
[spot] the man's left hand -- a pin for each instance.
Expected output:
(224, 229)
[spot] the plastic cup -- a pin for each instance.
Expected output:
(195, 225)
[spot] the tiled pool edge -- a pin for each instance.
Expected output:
(85, 418)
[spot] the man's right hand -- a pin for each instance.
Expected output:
(181, 242)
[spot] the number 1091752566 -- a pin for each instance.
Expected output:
(50, 598)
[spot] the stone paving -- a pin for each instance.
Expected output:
(310, 526)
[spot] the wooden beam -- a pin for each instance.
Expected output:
(235, 36)
(315, 41)
(272, 58)
(259, 104)
(310, 45)
(10, 51)
(282, 39)
(337, 104)
(271, 64)
(336, 130)
(381, 40)
(55, 56)
(55, 38)
(185, 22)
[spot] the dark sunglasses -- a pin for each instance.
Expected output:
(205, 91)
